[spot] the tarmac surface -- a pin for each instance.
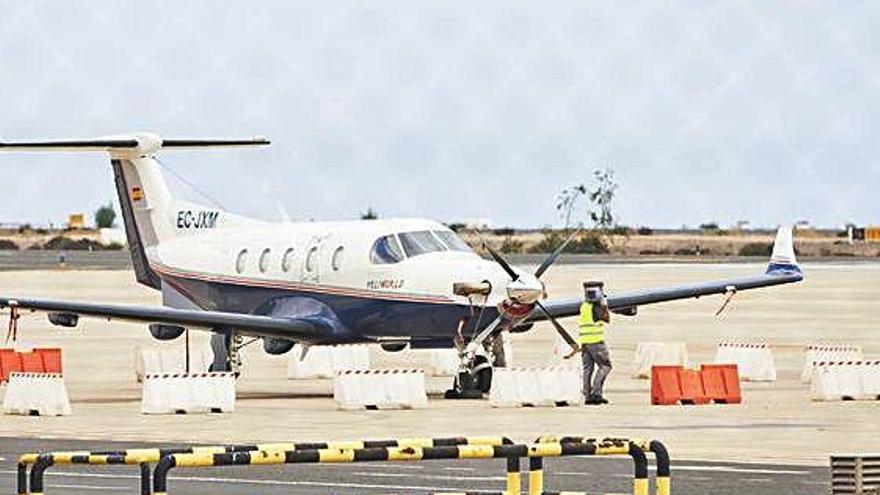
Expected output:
(594, 475)
(777, 425)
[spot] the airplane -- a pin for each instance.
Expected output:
(394, 282)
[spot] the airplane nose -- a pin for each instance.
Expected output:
(525, 290)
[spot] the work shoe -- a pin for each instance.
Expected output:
(591, 401)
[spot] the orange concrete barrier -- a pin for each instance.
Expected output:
(665, 385)
(692, 392)
(51, 359)
(31, 362)
(9, 362)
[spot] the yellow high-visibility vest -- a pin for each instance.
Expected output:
(589, 330)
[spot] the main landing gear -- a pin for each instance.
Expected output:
(227, 356)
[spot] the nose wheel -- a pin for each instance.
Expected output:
(472, 382)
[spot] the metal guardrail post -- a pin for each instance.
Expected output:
(514, 483)
(146, 486)
(36, 482)
(21, 483)
(536, 475)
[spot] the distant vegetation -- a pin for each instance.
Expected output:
(756, 249)
(105, 217)
(7, 245)
(370, 214)
(62, 243)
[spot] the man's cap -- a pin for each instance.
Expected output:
(594, 283)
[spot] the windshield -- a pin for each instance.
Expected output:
(386, 250)
(416, 243)
(453, 241)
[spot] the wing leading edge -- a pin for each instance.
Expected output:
(783, 269)
(302, 329)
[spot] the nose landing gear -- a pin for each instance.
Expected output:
(474, 378)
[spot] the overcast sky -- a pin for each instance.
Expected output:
(708, 111)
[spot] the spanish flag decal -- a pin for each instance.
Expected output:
(137, 194)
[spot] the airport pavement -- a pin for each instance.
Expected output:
(777, 424)
(594, 475)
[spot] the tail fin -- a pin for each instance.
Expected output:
(150, 213)
(782, 259)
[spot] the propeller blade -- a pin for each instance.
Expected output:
(555, 254)
(501, 261)
(559, 329)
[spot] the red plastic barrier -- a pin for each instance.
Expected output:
(713, 383)
(31, 362)
(51, 359)
(9, 362)
(730, 377)
(692, 388)
(665, 385)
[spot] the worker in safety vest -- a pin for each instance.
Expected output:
(591, 338)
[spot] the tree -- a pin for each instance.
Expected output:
(370, 214)
(105, 217)
(602, 196)
(567, 200)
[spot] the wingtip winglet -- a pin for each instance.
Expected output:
(782, 259)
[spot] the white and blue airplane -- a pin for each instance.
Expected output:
(395, 282)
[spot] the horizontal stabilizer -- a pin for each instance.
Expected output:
(141, 144)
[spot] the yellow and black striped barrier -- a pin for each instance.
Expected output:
(512, 453)
(40, 462)
(663, 478)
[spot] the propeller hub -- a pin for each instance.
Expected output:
(527, 289)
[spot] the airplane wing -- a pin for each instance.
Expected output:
(299, 328)
(783, 269)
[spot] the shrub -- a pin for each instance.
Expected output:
(511, 245)
(645, 231)
(7, 245)
(756, 249)
(61, 243)
(589, 244)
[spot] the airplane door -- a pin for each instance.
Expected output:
(311, 267)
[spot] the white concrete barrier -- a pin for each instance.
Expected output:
(163, 360)
(188, 393)
(326, 360)
(442, 362)
(845, 380)
(543, 386)
(42, 394)
(650, 354)
(753, 359)
(380, 389)
(816, 353)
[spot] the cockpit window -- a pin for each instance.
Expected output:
(386, 250)
(453, 241)
(416, 243)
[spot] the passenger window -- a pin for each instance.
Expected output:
(386, 250)
(264, 260)
(287, 260)
(336, 261)
(241, 261)
(416, 243)
(310, 259)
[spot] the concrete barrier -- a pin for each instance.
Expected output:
(531, 386)
(816, 353)
(849, 380)
(188, 393)
(649, 354)
(36, 394)
(754, 360)
(165, 360)
(327, 360)
(380, 389)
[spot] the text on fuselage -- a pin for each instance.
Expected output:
(188, 219)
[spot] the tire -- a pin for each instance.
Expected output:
(483, 374)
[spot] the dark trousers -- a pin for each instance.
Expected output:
(593, 355)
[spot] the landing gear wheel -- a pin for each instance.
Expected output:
(474, 383)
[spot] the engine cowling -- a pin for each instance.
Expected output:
(166, 332)
(277, 346)
(68, 320)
